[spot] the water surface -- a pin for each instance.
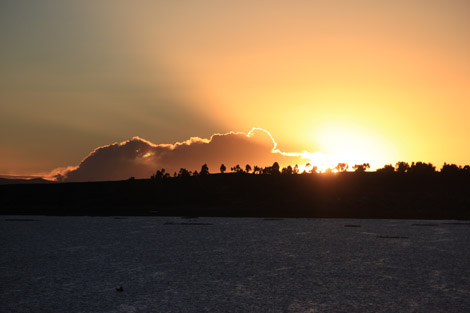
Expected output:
(173, 264)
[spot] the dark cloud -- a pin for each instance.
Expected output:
(140, 158)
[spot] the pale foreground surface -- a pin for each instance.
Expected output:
(172, 264)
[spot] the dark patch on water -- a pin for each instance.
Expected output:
(393, 237)
(173, 223)
(456, 224)
(189, 217)
(273, 219)
(20, 220)
(352, 225)
(120, 218)
(425, 225)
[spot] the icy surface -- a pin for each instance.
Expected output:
(172, 264)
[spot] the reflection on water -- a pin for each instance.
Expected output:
(172, 264)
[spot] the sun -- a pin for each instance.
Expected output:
(345, 142)
(317, 160)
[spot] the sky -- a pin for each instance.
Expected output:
(353, 81)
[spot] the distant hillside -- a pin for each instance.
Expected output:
(343, 195)
(10, 181)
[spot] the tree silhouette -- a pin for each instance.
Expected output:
(314, 169)
(402, 167)
(422, 168)
(257, 169)
(237, 169)
(222, 168)
(248, 168)
(450, 169)
(275, 168)
(184, 173)
(361, 168)
(160, 174)
(386, 169)
(287, 170)
(204, 170)
(296, 169)
(341, 167)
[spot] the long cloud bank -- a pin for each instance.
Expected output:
(140, 158)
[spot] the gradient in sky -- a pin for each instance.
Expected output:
(361, 81)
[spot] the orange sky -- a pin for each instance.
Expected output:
(361, 81)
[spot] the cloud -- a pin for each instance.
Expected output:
(140, 158)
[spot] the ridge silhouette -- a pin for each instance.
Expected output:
(415, 191)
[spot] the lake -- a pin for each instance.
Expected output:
(174, 264)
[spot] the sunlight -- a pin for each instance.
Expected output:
(351, 144)
(317, 159)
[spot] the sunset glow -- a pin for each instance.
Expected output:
(354, 82)
(235, 155)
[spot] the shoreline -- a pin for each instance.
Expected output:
(348, 195)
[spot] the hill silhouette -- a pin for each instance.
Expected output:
(386, 194)
(8, 181)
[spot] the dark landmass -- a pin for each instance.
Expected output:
(10, 181)
(342, 195)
